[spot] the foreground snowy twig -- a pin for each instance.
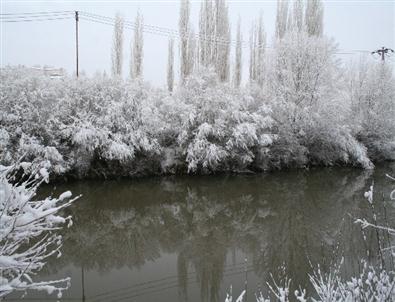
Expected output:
(28, 231)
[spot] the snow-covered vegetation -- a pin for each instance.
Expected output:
(28, 230)
(103, 126)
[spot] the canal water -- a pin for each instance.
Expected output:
(192, 238)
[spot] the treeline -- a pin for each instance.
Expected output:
(211, 45)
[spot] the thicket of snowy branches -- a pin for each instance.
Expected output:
(28, 230)
(307, 113)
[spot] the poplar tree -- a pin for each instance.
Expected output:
(298, 21)
(281, 18)
(257, 51)
(238, 55)
(137, 50)
(170, 66)
(314, 15)
(116, 55)
(184, 28)
(214, 37)
(191, 51)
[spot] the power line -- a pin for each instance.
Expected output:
(162, 31)
(151, 290)
(37, 13)
(147, 28)
(33, 20)
(157, 282)
(3, 16)
(166, 30)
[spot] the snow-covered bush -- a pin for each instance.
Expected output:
(225, 129)
(28, 231)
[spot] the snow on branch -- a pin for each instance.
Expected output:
(28, 228)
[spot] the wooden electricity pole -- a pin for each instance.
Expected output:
(382, 52)
(76, 41)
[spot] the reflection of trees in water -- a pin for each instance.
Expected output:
(291, 218)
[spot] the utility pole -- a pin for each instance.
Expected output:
(246, 278)
(382, 52)
(76, 40)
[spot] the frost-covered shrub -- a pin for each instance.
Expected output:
(28, 231)
(83, 123)
(225, 128)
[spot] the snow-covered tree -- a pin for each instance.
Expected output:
(238, 57)
(137, 50)
(28, 231)
(184, 29)
(257, 52)
(222, 40)
(314, 15)
(206, 33)
(117, 48)
(214, 37)
(192, 48)
(298, 15)
(305, 81)
(370, 89)
(281, 18)
(170, 66)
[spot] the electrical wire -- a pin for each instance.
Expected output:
(38, 13)
(146, 28)
(35, 15)
(151, 29)
(156, 28)
(157, 282)
(33, 20)
(151, 290)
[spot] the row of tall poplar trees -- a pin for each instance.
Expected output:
(211, 46)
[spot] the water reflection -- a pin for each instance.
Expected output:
(202, 229)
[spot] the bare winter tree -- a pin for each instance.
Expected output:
(137, 51)
(116, 56)
(238, 54)
(281, 18)
(184, 28)
(170, 66)
(314, 17)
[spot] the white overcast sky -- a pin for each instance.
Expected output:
(355, 25)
